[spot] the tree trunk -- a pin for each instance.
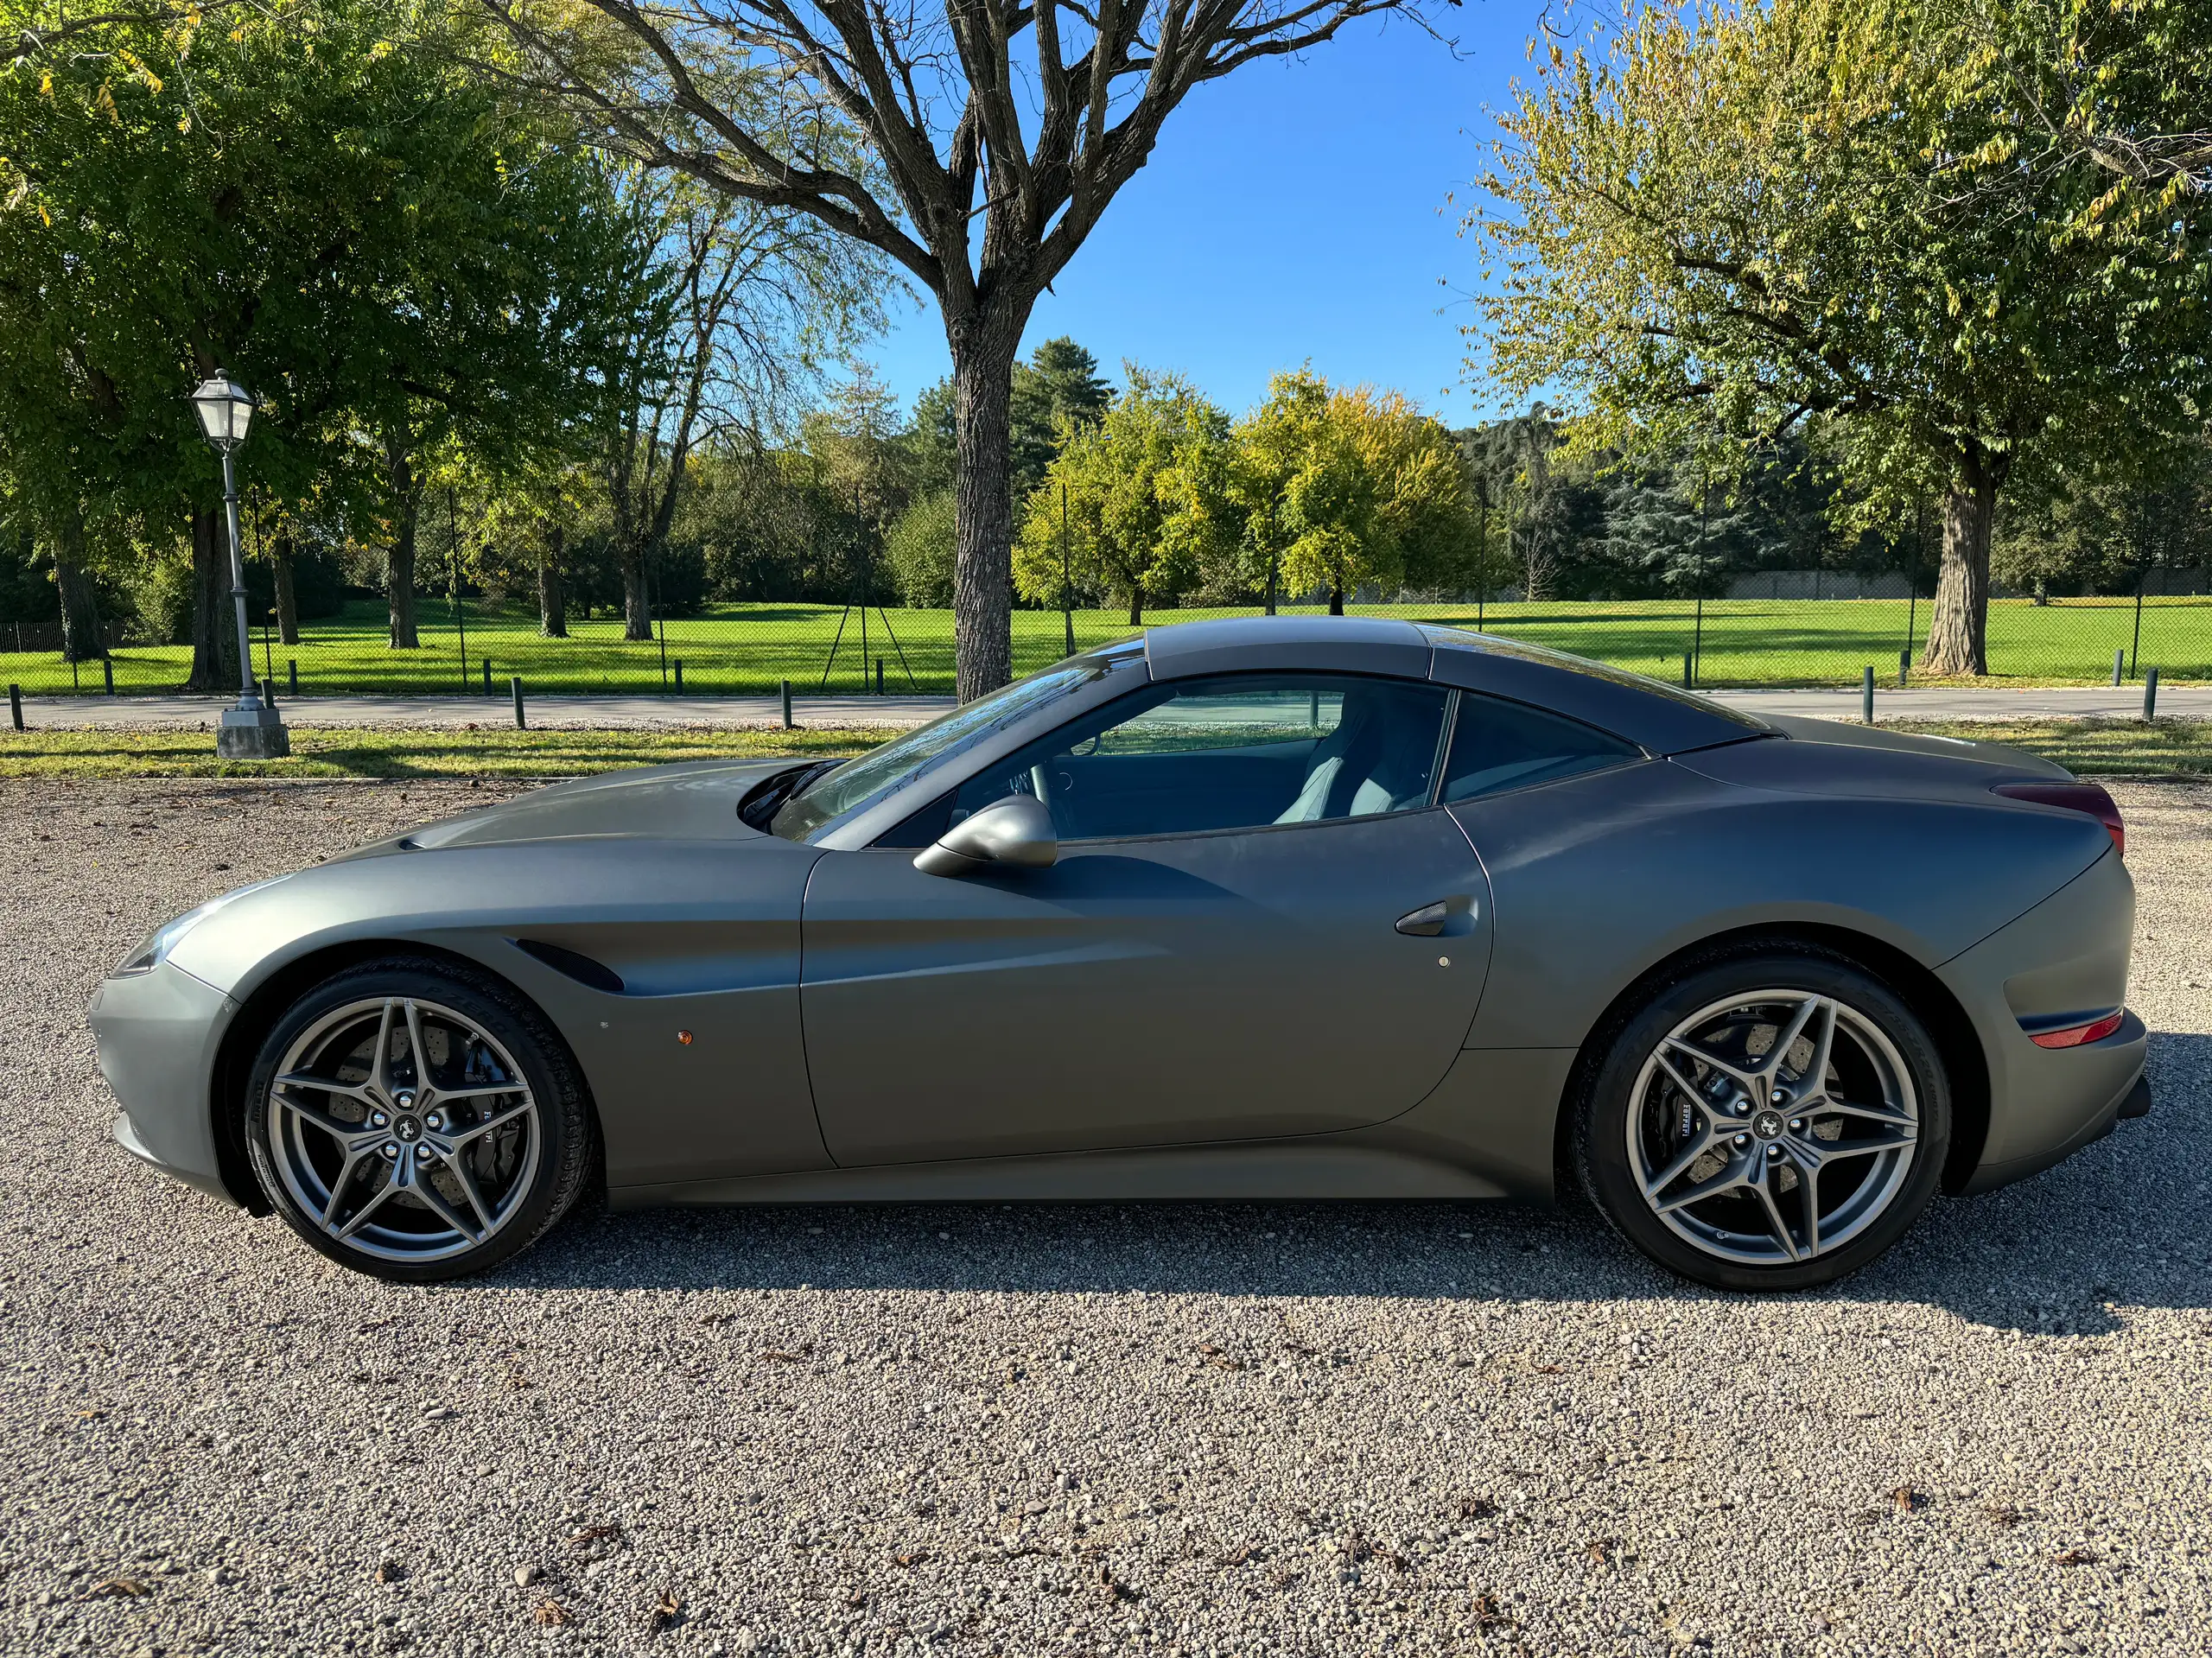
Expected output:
(214, 654)
(399, 560)
(80, 611)
(637, 600)
(552, 595)
(1958, 622)
(1136, 606)
(983, 573)
(288, 598)
(1336, 600)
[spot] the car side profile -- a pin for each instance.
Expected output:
(1271, 909)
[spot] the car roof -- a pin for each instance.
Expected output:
(1653, 715)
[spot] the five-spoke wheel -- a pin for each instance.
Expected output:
(416, 1121)
(1771, 1122)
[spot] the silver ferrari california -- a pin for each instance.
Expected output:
(1270, 909)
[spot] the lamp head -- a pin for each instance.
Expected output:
(226, 409)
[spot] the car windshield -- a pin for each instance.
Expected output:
(900, 762)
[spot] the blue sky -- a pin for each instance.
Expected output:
(1292, 211)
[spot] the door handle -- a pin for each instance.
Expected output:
(1426, 922)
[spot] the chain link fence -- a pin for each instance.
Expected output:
(467, 646)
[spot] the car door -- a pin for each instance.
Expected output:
(1215, 955)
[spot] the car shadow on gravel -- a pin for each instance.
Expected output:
(2110, 1228)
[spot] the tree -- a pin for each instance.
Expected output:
(2103, 534)
(393, 259)
(736, 305)
(1114, 509)
(920, 550)
(1058, 386)
(1793, 217)
(1342, 489)
(921, 132)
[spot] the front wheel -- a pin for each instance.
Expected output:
(417, 1121)
(1768, 1122)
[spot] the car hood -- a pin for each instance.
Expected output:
(695, 801)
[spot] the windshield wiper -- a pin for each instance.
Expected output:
(762, 802)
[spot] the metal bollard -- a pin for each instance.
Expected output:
(487, 676)
(292, 672)
(879, 676)
(16, 705)
(679, 675)
(107, 672)
(2151, 695)
(1689, 675)
(1867, 696)
(515, 685)
(2118, 664)
(790, 724)
(1904, 665)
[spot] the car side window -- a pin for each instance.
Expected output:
(1498, 744)
(1234, 752)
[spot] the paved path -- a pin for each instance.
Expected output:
(605, 713)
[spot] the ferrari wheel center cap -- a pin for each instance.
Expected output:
(406, 1128)
(1767, 1125)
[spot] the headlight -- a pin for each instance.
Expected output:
(154, 948)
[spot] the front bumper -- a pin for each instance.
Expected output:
(158, 1033)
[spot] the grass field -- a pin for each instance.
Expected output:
(2092, 747)
(749, 648)
(341, 753)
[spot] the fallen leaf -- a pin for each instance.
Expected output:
(126, 1588)
(1477, 1508)
(1603, 1551)
(388, 1572)
(778, 1355)
(591, 1535)
(911, 1557)
(1242, 1555)
(2001, 1514)
(1115, 1589)
(667, 1611)
(1904, 1500)
(551, 1615)
(1548, 1369)
(1488, 1614)
(2073, 1556)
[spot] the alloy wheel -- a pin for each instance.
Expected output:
(402, 1130)
(1772, 1128)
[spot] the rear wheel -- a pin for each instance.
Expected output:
(417, 1122)
(1768, 1122)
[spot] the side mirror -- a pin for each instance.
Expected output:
(1017, 830)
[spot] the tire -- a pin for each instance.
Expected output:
(1729, 1163)
(407, 1184)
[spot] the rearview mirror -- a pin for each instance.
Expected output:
(1017, 830)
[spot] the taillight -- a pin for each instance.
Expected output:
(2076, 1036)
(2074, 796)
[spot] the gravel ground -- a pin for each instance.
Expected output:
(1072, 1430)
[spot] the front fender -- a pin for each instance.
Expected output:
(703, 937)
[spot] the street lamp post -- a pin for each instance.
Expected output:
(251, 729)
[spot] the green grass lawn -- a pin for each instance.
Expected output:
(492, 751)
(2111, 748)
(750, 648)
(2179, 748)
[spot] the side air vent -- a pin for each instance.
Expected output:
(570, 964)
